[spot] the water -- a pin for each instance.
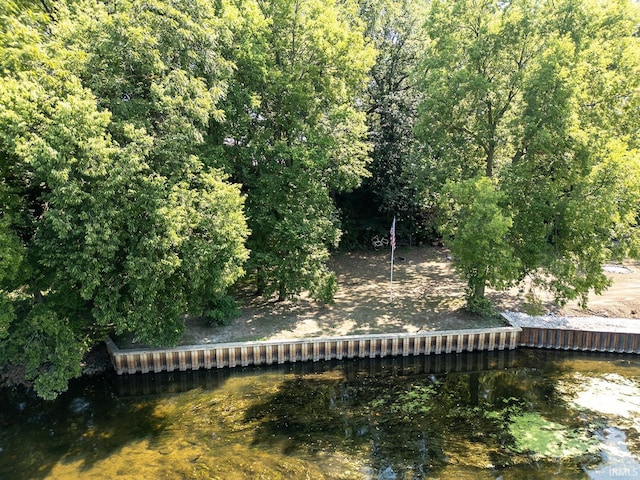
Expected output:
(526, 414)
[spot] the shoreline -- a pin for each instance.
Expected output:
(546, 332)
(428, 296)
(99, 359)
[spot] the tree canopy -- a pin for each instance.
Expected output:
(153, 154)
(526, 93)
(294, 135)
(395, 28)
(110, 221)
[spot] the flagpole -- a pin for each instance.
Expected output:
(392, 241)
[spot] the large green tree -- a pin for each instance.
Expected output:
(109, 221)
(542, 97)
(294, 135)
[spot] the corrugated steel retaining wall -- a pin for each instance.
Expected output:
(354, 370)
(195, 357)
(584, 340)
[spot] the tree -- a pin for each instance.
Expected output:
(109, 221)
(294, 135)
(526, 92)
(395, 29)
(476, 230)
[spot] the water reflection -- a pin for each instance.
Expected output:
(617, 460)
(525, 414)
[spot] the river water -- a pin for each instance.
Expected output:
(525, 414)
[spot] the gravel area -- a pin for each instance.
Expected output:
(592, 323)
(621, 269)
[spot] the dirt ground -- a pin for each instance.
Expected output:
(426, 295)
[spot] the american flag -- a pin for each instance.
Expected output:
(392, 235)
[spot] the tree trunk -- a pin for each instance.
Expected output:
(490, 155)
(38, 297)
(478, 288)
(261, 282)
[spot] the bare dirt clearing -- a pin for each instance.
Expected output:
(427, 295)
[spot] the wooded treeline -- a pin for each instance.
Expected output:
(153, 153)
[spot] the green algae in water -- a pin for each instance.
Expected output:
(544, 440)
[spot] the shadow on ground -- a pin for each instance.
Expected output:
(426, 295)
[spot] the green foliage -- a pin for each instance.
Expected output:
(50, 349)
(394, 28)
(110, 221)
(479, 305)
(477, 231)
(532, 305)
(222, 310)
(293, 225)
(7, 316)
(543, 98)
(117, 211)
(324, 286)
(135, 137)
(12, 254)
(293, 134)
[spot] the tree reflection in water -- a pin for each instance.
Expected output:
(517, 414)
